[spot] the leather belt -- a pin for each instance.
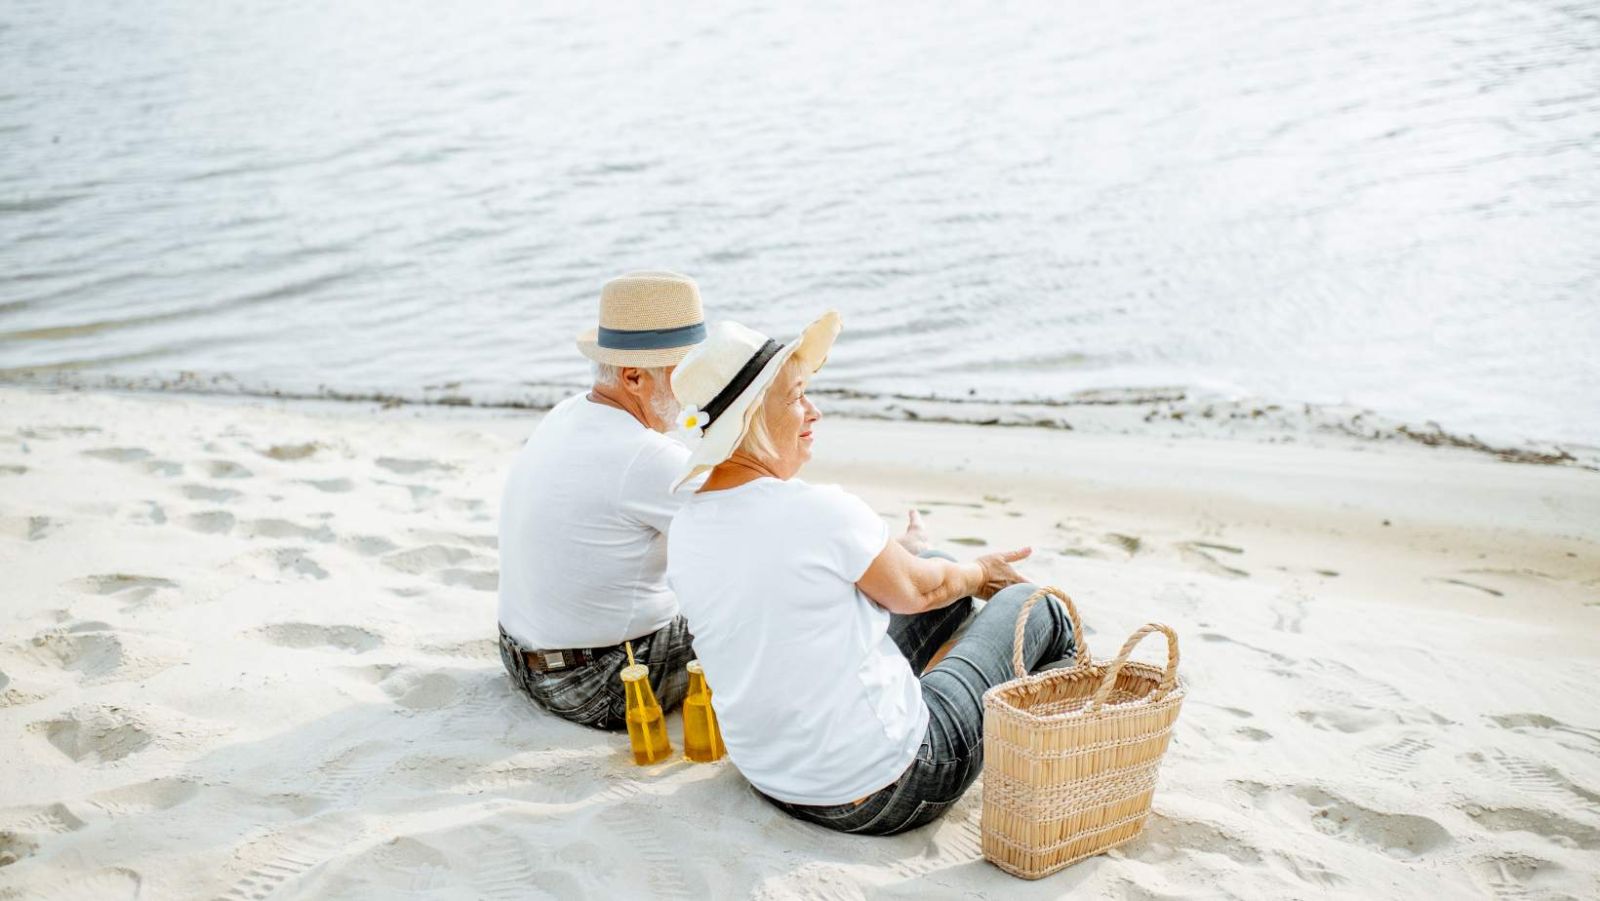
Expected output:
(556, 661)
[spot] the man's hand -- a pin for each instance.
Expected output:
(915, 539)
(998, 573)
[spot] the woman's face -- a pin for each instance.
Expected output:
(790, 416)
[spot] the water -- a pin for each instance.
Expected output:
(1392, 203)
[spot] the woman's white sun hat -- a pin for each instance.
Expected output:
(721, 382)
(646, 319)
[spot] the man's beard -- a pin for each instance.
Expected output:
(664, 405)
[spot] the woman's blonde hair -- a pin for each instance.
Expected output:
(757, 440)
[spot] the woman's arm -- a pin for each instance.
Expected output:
(901, 582)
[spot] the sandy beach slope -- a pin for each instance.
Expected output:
(245, 652)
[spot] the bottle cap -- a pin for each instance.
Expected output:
(635, 672)
(694, 667)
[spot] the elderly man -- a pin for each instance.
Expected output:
(584, 515)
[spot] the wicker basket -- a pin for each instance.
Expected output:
(1070, 755)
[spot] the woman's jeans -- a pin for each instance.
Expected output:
(951, 756)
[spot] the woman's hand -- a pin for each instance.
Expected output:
(915, 540)
(998, 572)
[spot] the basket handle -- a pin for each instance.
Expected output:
(1079, 640)
(1168, 678)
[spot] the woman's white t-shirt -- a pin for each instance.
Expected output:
(817, 704)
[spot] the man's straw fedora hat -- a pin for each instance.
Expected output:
(721, 382)
(646, 319)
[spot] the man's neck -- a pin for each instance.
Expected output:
(612, 397)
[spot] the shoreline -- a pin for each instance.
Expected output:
(247, 647)
(1170, 412)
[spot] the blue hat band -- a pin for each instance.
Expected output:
(651, 339)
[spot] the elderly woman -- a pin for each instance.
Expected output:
(813, 625)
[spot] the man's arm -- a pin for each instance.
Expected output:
(649, 480)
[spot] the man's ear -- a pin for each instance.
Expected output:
(632, 377)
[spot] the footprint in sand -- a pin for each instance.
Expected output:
(12, 469)
(1551, 826)
(126, 587)
(93, 655)
(225, 469)
(1203, 554)
(1533, 778)
(1530, 723)
(99, 654)
(419, 493)
(28, 528)
(139, 455)
(211, 522)
(472, 649)
(1307, 870)
(548, 776)
(421, 691)
(368, 545)
(51, 818)
(109, 884)
(350, 773)
(1399, 835)
(483, 540)
(145, 797)
(282, 528)
(1351, 719)
(1274, 656)
(14, 847)
(475, 509)
(100, 734)
(119, 454)
(144, 513)
(330, 486)
(291, 451)
(1164, 839)
(1342, 684)
(1128, 544)
(416, 561)
(475, 579)
(1395, 757)
(311, 635)
(276, 563)
(209, 493)
(1514, 875)
(439, 561)
(405, 467)
(283, 856)
(1289, 612)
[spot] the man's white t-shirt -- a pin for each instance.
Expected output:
(817, 704)
(583, 522)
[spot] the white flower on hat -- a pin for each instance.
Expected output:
(691, 420)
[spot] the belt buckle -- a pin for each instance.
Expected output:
(554, 660)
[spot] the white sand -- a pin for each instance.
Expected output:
(245, 651)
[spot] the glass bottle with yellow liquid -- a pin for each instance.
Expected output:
(647, 728)
(702, 739)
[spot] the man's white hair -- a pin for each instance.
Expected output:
(607, 375)
(662, 403)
